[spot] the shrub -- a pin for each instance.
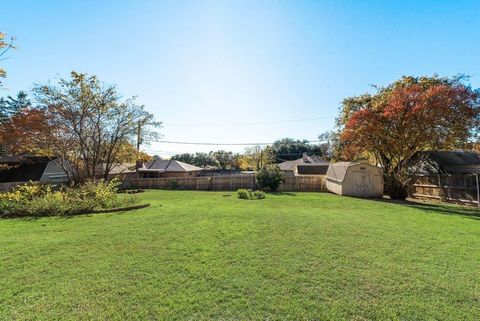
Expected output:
(34, 199)
(270, 176)
(258, 195)
(243, 194)
(249, 194)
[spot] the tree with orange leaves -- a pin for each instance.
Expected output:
(411, 115)
(28, 132)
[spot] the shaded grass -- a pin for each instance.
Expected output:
(203, 256)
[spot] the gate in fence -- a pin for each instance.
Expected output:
(456, 188)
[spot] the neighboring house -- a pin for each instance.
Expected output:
(307, 165)
(445, 162)
(18, 170)
(157, 168)
(120, 171)
(355, 179)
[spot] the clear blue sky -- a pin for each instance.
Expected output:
(225, 62)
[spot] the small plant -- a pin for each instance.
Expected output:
(270, 176)
(243, 194)
(258, 195)
(249, 194)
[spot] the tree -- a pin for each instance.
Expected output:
(256, 157)
(291, 149)
(197, 159)
(223, 158)
(5, 45)
(28, 132)
(413, 114)
(185, 157)
(270, 176)
(90, 122)
(10, 106)
(204, 160)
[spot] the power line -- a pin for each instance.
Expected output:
(223, 144)
(248, 123)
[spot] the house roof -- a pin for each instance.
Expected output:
(454, 158)
(312, 169)
(308, 160)
(116, 169)
(168, 165)
(30, 169)
(434, 162)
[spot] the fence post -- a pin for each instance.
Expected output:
(440, 190)
(478, 191)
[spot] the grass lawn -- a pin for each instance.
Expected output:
(210, 256)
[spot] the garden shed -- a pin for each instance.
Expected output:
(355, 179)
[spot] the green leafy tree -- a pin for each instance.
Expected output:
(224, 159)
(91, 123)
(291, 149)
(10, 106)
(270, 176)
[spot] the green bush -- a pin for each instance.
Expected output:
(249, 194)
(243, 194)
(270, 176)
(258, 195)
(34, 199)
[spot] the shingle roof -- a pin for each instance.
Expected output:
(25, 171)
(454, 157)
(170, 166)
(116, 169)
(290, 165)
(338, 170)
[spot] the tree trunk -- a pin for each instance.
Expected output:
(395, 188)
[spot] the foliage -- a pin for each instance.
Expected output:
(290, 149)
(256, 157)
(225, 160)
(10, 106)
(28, 132)
(90, 123)
(413, 114)
(35, 199)
(243, 193)
(5, 45)
(270, 176)
(248, 194)
(197, 159)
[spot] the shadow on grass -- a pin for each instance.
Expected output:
(445, 209)
(281, 193)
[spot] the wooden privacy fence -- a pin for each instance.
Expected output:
(458, 188)
(226, 183)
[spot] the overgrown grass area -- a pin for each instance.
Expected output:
(212, 256)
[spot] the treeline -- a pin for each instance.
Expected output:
(256, 157)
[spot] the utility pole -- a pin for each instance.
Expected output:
(139, 134)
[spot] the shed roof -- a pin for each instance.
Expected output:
(168, 165)
(24, 171)
(313, 160)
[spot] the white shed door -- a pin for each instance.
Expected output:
(361, 182)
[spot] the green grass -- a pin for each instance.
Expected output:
(210, 256)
